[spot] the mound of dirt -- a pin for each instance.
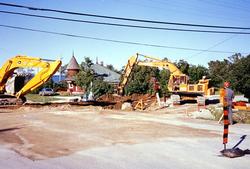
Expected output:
(133, 99)
(110, 98)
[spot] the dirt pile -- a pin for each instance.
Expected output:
(110, 98)
(147, 100)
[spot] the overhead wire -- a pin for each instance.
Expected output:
(112, 40)
(213, 46)
(122, 18)
(127, 25)
(185, 5)
(185, 8)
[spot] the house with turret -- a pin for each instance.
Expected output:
(72, 69)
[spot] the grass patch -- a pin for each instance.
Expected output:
(38, 98)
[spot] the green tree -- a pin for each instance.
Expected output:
(101, 87)
(163, 79)
(84, 79)
(240, 75)
(235, 69)
(183, 66)
(111, 67)
(140, 80)
(86, 76)
(86, 64)
(219, 71)
(195, 73)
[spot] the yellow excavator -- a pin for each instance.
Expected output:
(47, 68)
(178, 82)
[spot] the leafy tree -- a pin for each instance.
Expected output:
(164, 77)
(140, 80)
(101, 87)
(111, 67)
(183, 66)
(196, 73)
(240, 75)
(60, 86)
(234, 69)
(86, 64)
(219, 71)
(86, 76)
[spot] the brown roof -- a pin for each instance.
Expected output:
(73, 65)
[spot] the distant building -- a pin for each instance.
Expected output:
(99, 70)
(108, 75)
(72, 69)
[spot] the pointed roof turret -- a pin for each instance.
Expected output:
(73, 65)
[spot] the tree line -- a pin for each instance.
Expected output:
(235, 69)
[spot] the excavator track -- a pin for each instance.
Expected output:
(10, 101)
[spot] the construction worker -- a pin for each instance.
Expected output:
(229, 98)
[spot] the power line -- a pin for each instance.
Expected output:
(126, 25)
(122, 18)
(111, 40)
(213, 46)
(185, 8)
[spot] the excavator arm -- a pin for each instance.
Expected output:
(151, 62)
(47, 69)
(127, 72)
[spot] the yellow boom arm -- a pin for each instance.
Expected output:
(154, 62)
(48, 68)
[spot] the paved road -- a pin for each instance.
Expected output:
(163, 153)
(177, 153)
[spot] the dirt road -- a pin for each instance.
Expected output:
(90, 137)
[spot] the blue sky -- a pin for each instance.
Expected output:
(221, 12)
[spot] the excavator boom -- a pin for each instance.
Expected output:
(154, 62)
(47, 69)
(127, 72)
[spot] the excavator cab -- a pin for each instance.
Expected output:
(178, 82)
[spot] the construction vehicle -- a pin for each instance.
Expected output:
(13, 89)
(178, 83)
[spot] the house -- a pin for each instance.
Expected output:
(99, 70)
(72, 69)
(108, 75)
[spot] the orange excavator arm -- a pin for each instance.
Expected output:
(47, 69)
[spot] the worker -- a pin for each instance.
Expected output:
(229, 98)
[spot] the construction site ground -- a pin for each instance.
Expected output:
(90, 137)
